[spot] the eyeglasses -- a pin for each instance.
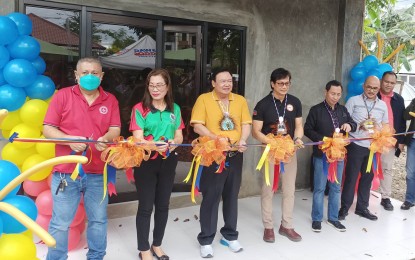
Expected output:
(281, 84)
(157, 86)
(372, 89)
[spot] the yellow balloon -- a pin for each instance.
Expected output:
(11, 120)
(34, 160)
(17, 247)
(47, 150)
(5, 133)
(3, 114)
(15, 155)
(28, 233)
(33, 112)
(25, 131)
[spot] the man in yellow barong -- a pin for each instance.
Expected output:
(225, 115)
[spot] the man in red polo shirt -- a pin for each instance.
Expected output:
(80, 112)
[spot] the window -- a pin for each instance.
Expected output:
(224, 50)
(187, 49)
(58, 34)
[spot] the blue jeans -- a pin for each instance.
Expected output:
(320, 180)
(410, 173)
(65, 205)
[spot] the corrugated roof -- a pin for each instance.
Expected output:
(55, 34)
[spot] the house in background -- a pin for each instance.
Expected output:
(316, 40)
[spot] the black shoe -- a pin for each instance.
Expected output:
(316, 226)
(386, 203)
(366, 214)
(343, 212)
(163, 257)
(337, 225)
(407, 205)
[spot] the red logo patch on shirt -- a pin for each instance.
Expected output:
(254, 113)
(103, 110)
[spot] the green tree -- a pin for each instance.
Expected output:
(395, 27)
(225, 48)
(74, 24)
(121, 40)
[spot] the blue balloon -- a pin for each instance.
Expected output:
(2, 80)
(1, 226)
(24, 204)
(23, 22)
(19, 73)
(4, 56)
(8, 30)
(358, 73)
(370, 62)
(384, 67)
(375, 72)
(8, 171)
(24, 47)
(39, 64)
(355, 87)
(11, 98)
(43, 88)
(360, 65)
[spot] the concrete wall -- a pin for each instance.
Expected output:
(316, 40)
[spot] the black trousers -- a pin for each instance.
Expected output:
(154, 183)
(357, 158)
(215, 186)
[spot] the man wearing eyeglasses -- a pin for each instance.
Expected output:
(279, 113)
(369, 112)
(221, 114)
(396, 108)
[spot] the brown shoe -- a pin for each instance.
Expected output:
(269, 235)
(290, 234)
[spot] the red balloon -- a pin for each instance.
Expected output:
(44, 203)
(375, 183)
(81, 227)
(79, 216)
(73, 238)
(43, 221)
(34, 188)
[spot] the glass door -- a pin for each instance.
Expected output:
(181, 57)
(126, 47)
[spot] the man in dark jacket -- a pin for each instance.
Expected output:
(409, 114)
(322, 121)
(396, 107)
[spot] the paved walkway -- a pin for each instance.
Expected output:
(391, 237)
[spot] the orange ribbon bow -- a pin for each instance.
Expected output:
(127, 153)
(335, 148)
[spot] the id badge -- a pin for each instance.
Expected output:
(281, 129)
(368, 125)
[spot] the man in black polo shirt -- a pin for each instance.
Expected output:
(322, 121)
(279, 112)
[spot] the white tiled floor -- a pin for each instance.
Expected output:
(391, 237)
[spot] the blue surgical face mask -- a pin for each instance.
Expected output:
(89, 82)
